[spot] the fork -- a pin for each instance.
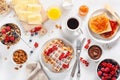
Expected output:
(79, 47)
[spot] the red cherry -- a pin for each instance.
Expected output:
(3, 31)
(12, 38)
(99, 73)
(36, 45)
(8, 28)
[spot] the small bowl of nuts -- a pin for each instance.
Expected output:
(20, 56)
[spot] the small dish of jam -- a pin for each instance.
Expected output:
(94, 52)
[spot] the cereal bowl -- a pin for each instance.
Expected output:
(10, 34)
(19, 56)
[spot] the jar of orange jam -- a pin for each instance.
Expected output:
(83, 10)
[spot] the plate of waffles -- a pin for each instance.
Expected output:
(57, 55)
(103, 27)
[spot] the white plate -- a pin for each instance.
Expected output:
(47, 65)
(97, 37)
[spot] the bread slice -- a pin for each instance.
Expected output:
(112, 33)
(100, 24)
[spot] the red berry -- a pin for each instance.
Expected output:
(67, 54)
(99, 73)
(107, 69)
(12, 38)
(8, 28)
(7, 38)
(61, 56)
(89, 41)
(36, 45)
(113, 78)
(3, 31)
(37, 28)
(86, 46)
(102, 69)
(65, 65)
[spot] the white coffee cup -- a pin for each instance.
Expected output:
(71, 27)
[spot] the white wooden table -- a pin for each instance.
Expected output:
(7, 71)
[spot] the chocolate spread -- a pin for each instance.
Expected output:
(95, 52)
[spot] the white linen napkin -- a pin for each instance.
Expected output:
(35, 72)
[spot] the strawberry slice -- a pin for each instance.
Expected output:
(61, 56)
(65, 65)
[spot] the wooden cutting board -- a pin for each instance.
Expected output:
(27, 27)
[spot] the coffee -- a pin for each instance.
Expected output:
(72, 23)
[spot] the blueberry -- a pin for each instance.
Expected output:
(30, 40)
(3, 41)
(32, 34)
(31, 51)
(16, 36)
(36, 33)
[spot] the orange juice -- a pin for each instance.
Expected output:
(54, 13)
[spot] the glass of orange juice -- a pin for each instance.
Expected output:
(54, 13)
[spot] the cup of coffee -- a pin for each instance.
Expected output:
(71, 27)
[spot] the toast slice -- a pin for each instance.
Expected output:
(112, 33)
(100, 24)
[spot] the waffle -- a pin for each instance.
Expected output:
(58, 55)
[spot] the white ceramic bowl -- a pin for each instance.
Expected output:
(98, 38)
(108, 59)
(48, 66)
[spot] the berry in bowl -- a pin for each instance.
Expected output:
(108, 69)
(10, 34)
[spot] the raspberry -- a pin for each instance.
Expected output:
(107, 69)
(99, 73)
(113, 78)
(36, 45)
(8, 28)
(12, 38)
(102, 69)
(7, 38)
(3, 31)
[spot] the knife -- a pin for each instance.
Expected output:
(78, 43)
